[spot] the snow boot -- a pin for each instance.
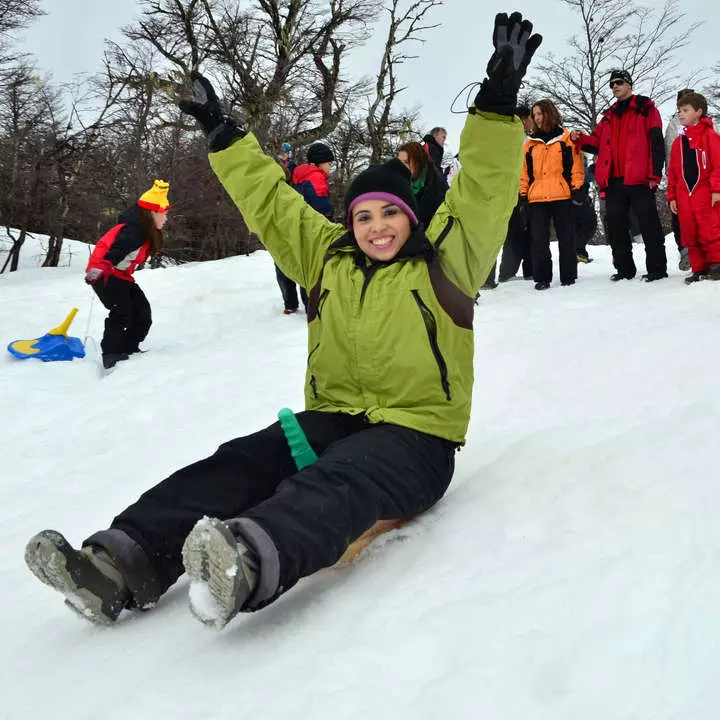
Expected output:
(584, 258)
(684, 263)
(566, 283)
(110, 360)
(653, 276)
(542, 286)
(222, 572)
(695, 277)
(713, 272)
(621, 276)
(93, 587)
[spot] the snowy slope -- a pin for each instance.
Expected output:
(571, 571)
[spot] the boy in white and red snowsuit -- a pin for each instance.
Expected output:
(694, 187)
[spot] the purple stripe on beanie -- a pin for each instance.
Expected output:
(388, 197)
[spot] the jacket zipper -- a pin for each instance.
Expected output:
(313, 380)
(431, 328)
(321, 301)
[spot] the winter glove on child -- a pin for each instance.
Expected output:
(94, 274)
(205, 107)
(514, 48)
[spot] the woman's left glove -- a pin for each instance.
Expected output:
(514, 47)
(205, 107)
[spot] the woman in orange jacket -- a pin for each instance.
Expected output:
(552, 176)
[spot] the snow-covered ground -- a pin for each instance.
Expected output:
(571, 572)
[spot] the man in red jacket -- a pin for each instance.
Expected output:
(629, 144)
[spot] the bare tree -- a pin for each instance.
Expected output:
(406, 27)
(614, 34)
(14, 15)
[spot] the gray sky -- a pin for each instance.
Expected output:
(69, 39)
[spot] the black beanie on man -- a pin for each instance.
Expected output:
(389, 182)
(319, 152)
(621, 75)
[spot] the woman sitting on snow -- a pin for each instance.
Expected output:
(388, 386)
(136, 237)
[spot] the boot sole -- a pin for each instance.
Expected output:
(54, 562)
(218, 587)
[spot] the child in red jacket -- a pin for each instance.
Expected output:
(694, 187)
(137, 237)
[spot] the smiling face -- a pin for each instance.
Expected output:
(380, 228)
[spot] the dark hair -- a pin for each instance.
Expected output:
(436, 130)
(695, 100)
(419, 159)
(684, 91)
(551, 115)
(523, 111)
(151, 235)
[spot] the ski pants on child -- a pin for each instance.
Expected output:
(700, 227)
(130, 317)
(294, 522)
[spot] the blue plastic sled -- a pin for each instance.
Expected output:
(53, 346)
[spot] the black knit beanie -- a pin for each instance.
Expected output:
(319, 152)
(621, 75)
(390, 182)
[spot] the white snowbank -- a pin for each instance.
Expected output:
(571, 571)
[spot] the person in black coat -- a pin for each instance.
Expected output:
(428, 185)
(435, 146)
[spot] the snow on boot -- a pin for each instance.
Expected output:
(221, 570)
(684, 263)
(93, 587)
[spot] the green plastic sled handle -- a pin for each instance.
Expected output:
(300, 448)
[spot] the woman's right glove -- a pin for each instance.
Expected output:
(514, 48)
(205, 107)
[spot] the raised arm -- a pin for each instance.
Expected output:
(295, 235)
(471, 225)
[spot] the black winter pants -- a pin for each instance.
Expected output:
(561, 214)
(289, 291)
(130, 317)
(517, 249)
(619, 200)
(364, 473)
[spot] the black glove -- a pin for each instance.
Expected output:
(205, 107)
(578, 197)
(514, 48)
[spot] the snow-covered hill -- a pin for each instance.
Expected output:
(571, 572)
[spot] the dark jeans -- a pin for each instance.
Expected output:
(517, 249)
(289, 291)
(364, 473)
(561, 214)
(619, 200)
(130, 318)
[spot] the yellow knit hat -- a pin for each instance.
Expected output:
(156, 197)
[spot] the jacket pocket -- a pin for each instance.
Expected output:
(431, 329)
